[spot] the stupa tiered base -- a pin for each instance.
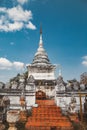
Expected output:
(47, 116)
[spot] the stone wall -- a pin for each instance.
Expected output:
(64, 101)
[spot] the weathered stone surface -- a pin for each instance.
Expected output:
(12, 116)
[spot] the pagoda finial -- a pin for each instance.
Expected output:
(40, 28)
(41, 41)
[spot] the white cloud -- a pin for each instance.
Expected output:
(18, 14)
(15, 26)
(2, 9)
(84, 57)
(11, 26)
(5, 64)
(18, 65)
(22, 1)
(14, 19)
(84, 62)
(31, 26)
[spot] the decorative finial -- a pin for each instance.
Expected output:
(40, 28)
(41, 41)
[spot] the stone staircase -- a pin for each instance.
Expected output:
(47, 116)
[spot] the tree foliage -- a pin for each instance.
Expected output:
(16, 78)
(83, 78)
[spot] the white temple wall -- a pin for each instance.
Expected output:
(14, 102)
(46, 76)
(30, 101)
(63, 102)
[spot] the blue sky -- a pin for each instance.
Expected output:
(64, 24)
